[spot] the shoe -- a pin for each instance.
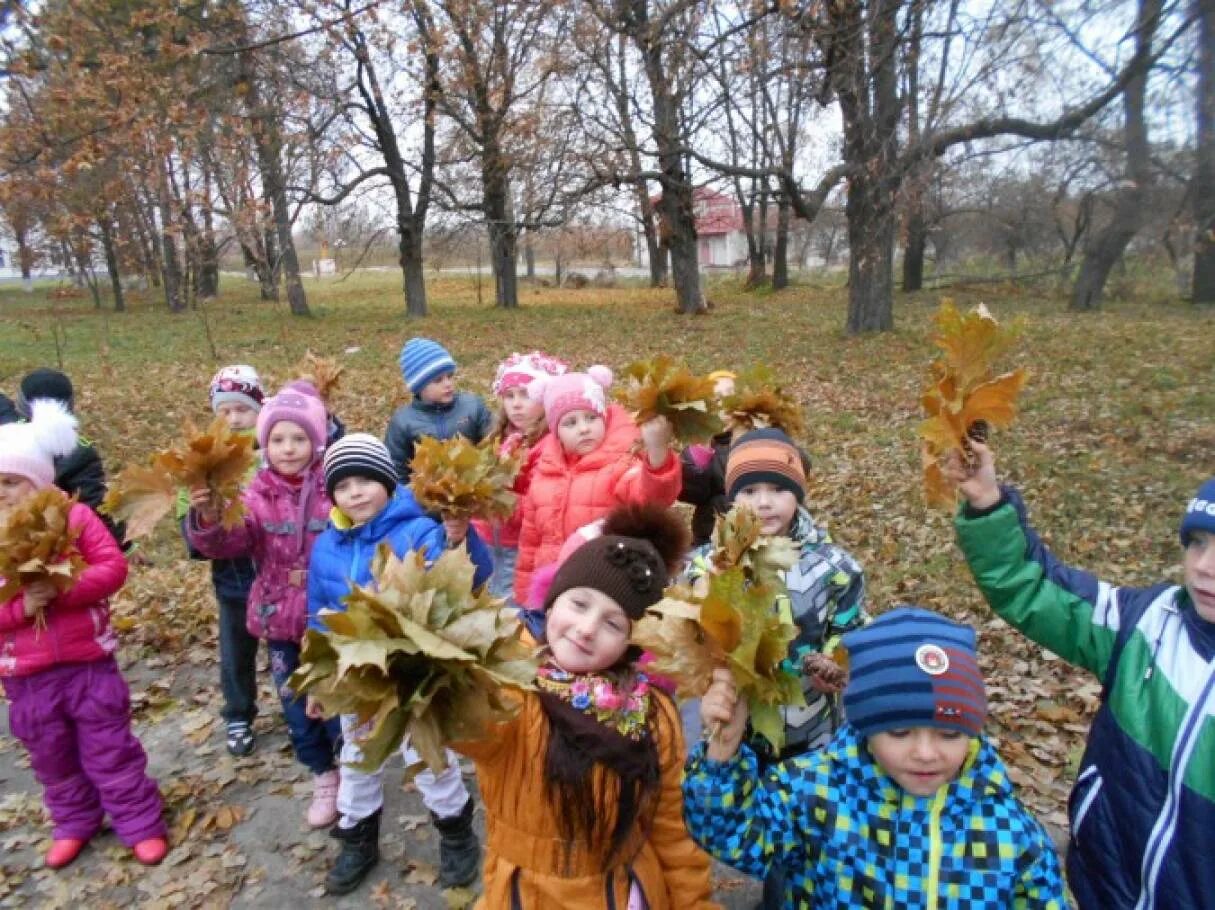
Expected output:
(360, 853)
(459, 849)
(151, 851)
(323, 810)
(241, 740)
(63, 851)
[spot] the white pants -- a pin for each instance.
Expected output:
(361, 793)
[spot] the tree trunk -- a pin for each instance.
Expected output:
(529, 257)
(871, 257)
(25, 258)
(413, 279)
(170, 266)
(111, 263)
(913, 250)
(503, 236)
(659, 267)
(1202, 286)
(780, 252)
(208, 273)
(86, 272)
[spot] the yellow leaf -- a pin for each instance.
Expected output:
(663, 387)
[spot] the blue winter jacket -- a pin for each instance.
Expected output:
(466, 416)
(846, 835)
(342, 555)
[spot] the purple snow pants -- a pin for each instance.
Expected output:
(75, 721)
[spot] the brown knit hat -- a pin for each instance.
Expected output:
(627, 569)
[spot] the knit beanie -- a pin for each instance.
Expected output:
(572, 392)
(29, 449)
(911, 667)
(765, 456)
(44, 383)
(627, 569)
(359, 455)
(306, 410)
(1199, 513)
(237, 383)
(521, 370)
(422, 361)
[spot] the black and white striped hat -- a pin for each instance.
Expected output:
(359, 455)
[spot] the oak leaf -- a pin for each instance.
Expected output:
(663, 387)
(459, 479)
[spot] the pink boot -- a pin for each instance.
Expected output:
(63, 851)
(323, 811)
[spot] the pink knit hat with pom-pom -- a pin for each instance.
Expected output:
(572, 392)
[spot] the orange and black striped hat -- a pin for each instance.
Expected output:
(765, 456)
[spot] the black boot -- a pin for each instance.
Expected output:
(360, 853)
(459, 850)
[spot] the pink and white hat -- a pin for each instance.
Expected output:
(521, 370)
(29, 449)
(572, 392)
(237, 383)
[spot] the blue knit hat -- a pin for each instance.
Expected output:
(1200, 513)
(422, 361)
(914, 668)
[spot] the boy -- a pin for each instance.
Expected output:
(437, 409)
(909, 805)
(1143, 805)
(370, 508)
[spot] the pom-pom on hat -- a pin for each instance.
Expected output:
(572, 392)
(1199, 513)
(359, 455)
(423, 361)
(911, 667)
(521, 370)
(237, 383)
(45, 383)
(29, 449)
(765, 456)
(308, 411)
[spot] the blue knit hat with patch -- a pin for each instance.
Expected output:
(422, 361)
(911, 667)
(1199, 513)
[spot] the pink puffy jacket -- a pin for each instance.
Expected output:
(282, 521)
(77, 621)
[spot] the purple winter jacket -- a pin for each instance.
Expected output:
(282, 521)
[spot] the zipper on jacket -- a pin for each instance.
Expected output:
(935, 847)
(609, 892)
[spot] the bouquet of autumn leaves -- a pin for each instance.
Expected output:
(417, 653)
(728, 620)
(663, 387)
(459, 480)
(38, 544)
(759, 402)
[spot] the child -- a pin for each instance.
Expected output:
(371, 509)
(581, 789)
(909, 805)
(80, 472)
(1143, 805)
(286, 507)
(588, 463)
(704, 471)
(236, 395)
(437, 409)
(68, 703)
(520, 426)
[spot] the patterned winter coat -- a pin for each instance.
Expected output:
(846, 835)
(466, 416)
(1143, 805)
(77, 621)
(569, 491)
(282, 521)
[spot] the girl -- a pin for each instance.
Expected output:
(581, 789)
(286, 507)
(68, 702)
(595, 458)
(520, 426)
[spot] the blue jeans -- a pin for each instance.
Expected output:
(237, 662)
(316, 742)
(502, 582)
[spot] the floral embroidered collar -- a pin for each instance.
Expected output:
(600, 697)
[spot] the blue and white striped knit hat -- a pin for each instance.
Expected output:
(422, 361)
(914, 668)
(1199, 513)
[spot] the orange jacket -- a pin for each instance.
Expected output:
(569, 491)
(524, 857)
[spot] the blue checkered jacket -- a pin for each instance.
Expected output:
(846, 835)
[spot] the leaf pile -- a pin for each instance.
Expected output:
(738, 540)
(459, 479)
(37, 544)
(323, 372)
(218, 459)
(663, 387)
(759, 402)
(964, 397)
(418, 654)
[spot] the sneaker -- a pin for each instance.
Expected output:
(323, 811)
(240, 738)
(63, 851)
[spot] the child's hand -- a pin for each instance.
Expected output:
(978, 483)
(202, 504)
(457, 530)
(656, 439)
(313, 709)
(825, 675)
(725, 714)
(37, 595)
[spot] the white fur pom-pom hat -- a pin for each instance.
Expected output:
(29, 449)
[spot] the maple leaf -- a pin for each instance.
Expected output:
(459, 479)
(37, 543)
(663, 387)
(325, 373)
(759, 402)
(218, 459)
(738, 540)
(416, 653)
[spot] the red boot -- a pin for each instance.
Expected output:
(63, 851)
(151, 851)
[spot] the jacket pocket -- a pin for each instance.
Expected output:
(1084, 797)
